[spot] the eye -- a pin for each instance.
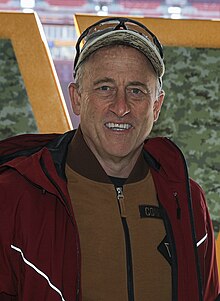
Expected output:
(136, 91)
(104, 88)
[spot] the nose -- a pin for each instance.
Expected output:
(120, 106)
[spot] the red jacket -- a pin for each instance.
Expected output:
(40, 251)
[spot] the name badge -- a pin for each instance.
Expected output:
(149, 211)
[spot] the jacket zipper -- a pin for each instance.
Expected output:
(178, 210)
(121, 204)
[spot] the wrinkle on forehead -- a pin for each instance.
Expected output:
(107, 51)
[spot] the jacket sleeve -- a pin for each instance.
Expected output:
(7, 275)
(205, 245)
(211, 281)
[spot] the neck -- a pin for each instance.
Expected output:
(120, 167)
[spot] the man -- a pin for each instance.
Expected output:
(105, 213)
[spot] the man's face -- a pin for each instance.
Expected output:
(117, 102)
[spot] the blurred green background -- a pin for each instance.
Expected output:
(191, 116)
(16, 116)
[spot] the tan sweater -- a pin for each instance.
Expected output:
(102, 239)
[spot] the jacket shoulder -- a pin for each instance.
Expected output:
(168, 156)
(158, 145)
(25, 141)
(28, 144)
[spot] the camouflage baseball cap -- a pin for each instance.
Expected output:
(120, 31)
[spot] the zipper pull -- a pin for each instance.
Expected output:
(120, 198)
(178, 210)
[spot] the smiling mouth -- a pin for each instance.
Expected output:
(118, 126)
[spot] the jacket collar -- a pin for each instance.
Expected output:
(19, 147)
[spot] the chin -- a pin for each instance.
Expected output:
(119, 153)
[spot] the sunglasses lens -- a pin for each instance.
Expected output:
(117, 24)
(102, 26)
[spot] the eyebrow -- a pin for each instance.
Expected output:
(137, 83)
(140, 84)
(104, 80)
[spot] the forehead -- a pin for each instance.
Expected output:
(118, 57)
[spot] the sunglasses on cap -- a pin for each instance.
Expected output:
(111, 24)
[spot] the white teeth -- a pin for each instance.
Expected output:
(118, 126)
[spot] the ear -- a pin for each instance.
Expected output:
(158, 104)
(75, 97)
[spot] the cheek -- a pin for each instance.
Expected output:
(145, 113)
(85, 106)
(90, 112)
(94, 109)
